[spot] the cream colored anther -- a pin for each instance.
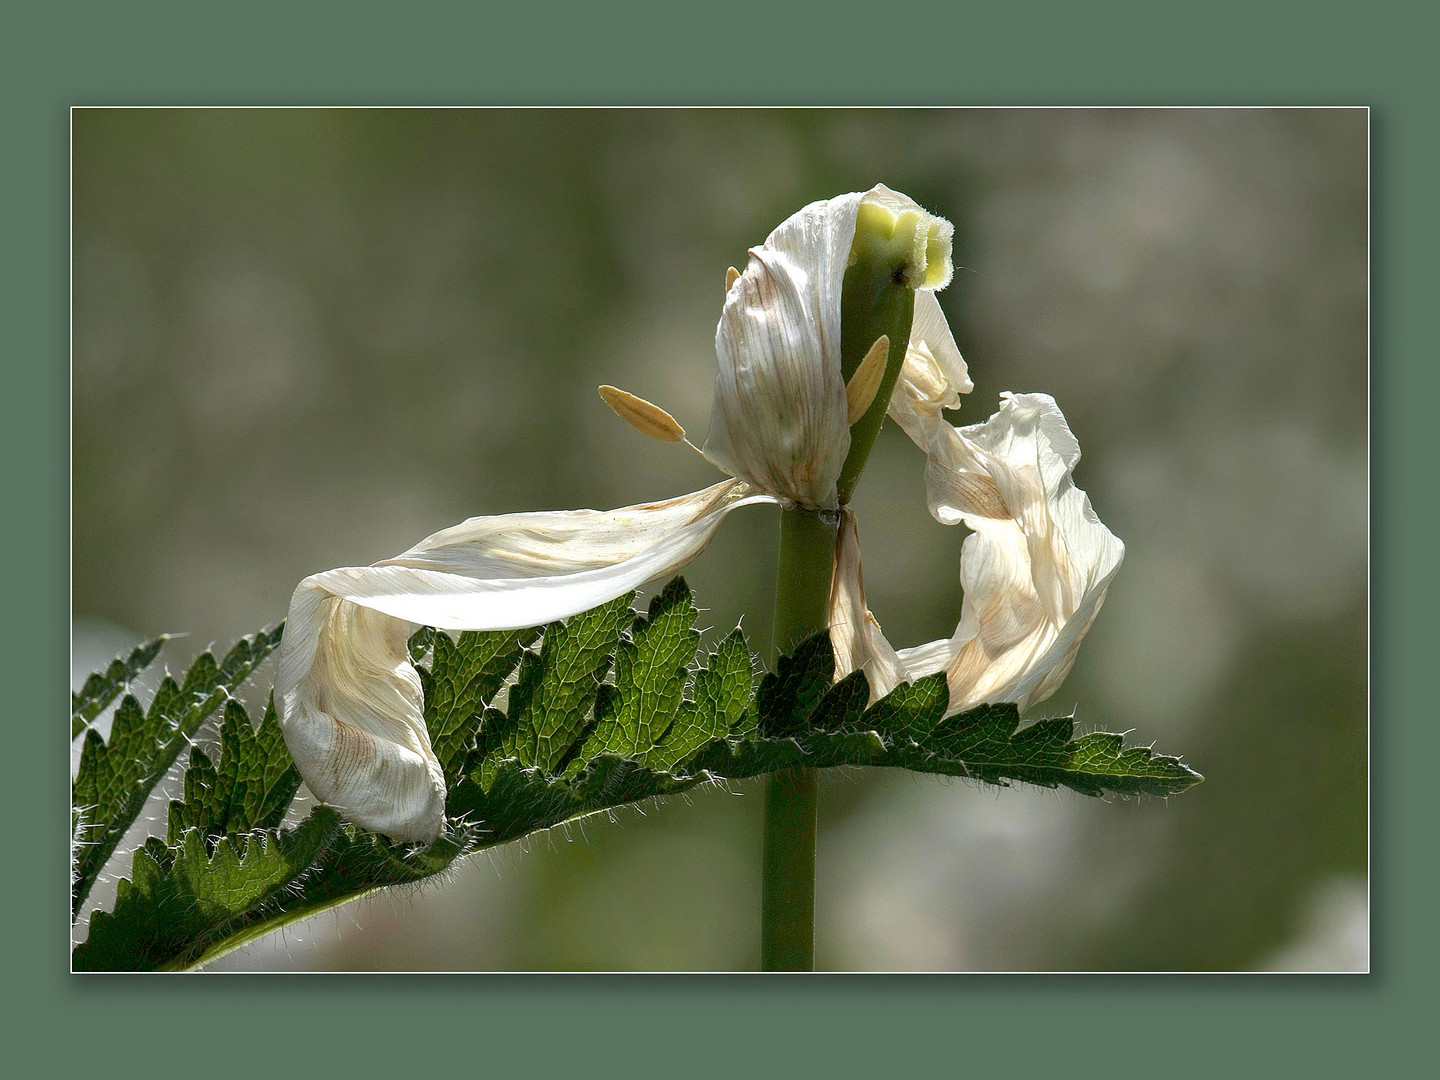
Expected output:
(644, 416)
(860, 391)
(731, 276)
(647, 418)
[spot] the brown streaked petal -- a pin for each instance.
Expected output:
(854, 634)
(349, 699)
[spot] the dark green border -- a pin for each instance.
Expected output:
(739, 53)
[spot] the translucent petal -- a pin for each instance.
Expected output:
(350, 701)
(854, 634)
(931, 332)
(933, 376)
(1034, 573)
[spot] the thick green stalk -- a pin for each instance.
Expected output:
(802, 588)
(877, 298)
(787, 896)
(787, 891)
(889, 257)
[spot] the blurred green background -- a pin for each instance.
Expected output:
(307, 338)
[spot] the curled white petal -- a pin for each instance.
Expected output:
(350, 701)
(854, 634)
(779, 418)
(1034, 573)
(352, 712)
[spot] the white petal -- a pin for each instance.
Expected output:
(1036, 569)
(350, 701)
(933, 376)
(854, 634)
(931, 332)
(779, 418)
(352, 712)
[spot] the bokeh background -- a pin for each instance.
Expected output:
(307, 338)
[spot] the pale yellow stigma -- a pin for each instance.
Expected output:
(860, 391)
(891, 223)
(731, 276)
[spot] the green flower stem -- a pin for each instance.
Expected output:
(787, 891)
(877, 298)
(802, 588)
(887, 258)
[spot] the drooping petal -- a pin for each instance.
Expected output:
(1036, 569)
(350, 701)
(779, 419)
(854, 634)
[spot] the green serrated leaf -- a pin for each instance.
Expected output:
(551, 701)
(721, 698)
(198, 808)
(172, 910)
(115, 778)
(543, 761)
(103, 687)
(464, 675)
(787, 697)
(910, 712)
(906, 730)
(650, 672)
(841, 703)
(250, 788)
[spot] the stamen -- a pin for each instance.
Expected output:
(860, 391)
(644, 417)
(731, 276)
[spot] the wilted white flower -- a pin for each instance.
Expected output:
(1034, 572)
(780, 419)
(350, 701)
